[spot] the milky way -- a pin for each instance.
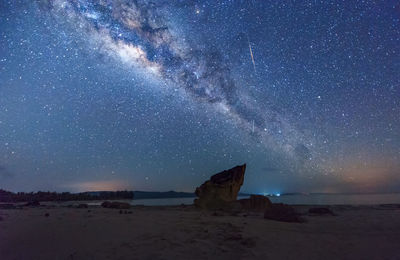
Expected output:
(136, 33)
(160, 94)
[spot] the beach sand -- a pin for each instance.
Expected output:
(178, 232)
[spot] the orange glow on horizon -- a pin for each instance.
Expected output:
(111, 185)
(368, 176)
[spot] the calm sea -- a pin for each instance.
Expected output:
(313, 199)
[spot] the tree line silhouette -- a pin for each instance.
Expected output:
(7, 196)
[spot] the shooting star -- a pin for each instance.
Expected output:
(251, 55)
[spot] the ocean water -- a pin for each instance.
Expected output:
(312, 199)
(339, 199)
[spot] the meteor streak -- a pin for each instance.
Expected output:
(251, 55)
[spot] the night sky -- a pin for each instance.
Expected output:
(160, 95)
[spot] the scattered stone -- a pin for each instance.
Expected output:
(320, 211)
(83, 206)
(7, 206)
(255, 203)
(33, 203)
(221, 189)
(282, 212)
(115, 205)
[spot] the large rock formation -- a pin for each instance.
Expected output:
(221, 189)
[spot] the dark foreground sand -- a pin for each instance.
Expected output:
(358, 232)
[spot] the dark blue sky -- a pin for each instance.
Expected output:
(159, 95)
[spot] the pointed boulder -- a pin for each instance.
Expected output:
(221, 189)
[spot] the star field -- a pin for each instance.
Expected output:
(101, 94)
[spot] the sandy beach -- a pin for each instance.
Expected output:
(183, 232)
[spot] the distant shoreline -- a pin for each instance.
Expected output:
(11, 197)
(7, 196)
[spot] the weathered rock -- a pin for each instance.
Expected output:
(115, 205)
(255, 203)
(320, 211)
(221, 189)
(282, 212)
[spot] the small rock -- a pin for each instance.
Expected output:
(83, 206)
(320, 211)
(282, 212)
(47, 214)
